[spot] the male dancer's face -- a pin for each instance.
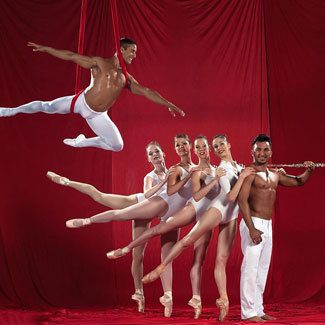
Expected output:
(261, 152)
(129, 53)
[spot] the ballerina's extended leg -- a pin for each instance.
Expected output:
(155, 274)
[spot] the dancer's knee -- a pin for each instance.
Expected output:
(137, 255)
(222, 259)
(117, 145)
(188, 241)
(155, 231)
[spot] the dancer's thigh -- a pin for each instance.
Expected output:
(210, 219)
(227, 233)
(147, 209)
(104, 127)
(181, 218)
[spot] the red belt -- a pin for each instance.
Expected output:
(74, 99)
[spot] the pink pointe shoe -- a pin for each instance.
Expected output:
(78, 223)
(223, 305)
(139, 299)
(197, 306)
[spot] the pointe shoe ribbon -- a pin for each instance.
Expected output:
(197, 305)
(78, 223)
(223, 305)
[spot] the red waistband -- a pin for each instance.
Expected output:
(74, 99)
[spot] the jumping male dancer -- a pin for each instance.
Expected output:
(107, 82)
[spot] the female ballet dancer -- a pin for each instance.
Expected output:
(154, 182)
(163, 205)
(204, 190)
(223, 211)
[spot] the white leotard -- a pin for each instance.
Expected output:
(229, 210)
(178, 200)
(155, 180)
(202, 205)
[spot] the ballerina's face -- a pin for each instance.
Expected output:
(221, 147)
(182, 146)
(155, 155)
(201, 148)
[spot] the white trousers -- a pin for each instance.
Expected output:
(108, 135)
(254, 268)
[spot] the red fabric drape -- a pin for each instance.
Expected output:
(81, 41)
(239, 67)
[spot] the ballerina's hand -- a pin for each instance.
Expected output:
(220, 172)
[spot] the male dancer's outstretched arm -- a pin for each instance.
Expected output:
(86, 62)
(154, 96)
(290, 180)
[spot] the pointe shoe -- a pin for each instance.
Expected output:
(57, 178)
(139, 298)
(197, 305)
(167, 302)
(223, 305)
(78, 223)
(74, 142)
(154, 275)
(117, 253)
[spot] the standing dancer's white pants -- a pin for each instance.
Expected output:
(108, 135)
(254, 268)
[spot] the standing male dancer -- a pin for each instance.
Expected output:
(107, 82)
(256, 200)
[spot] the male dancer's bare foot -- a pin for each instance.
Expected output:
(74, 142)
(154, 275)
(139, 298)
(77, 223)
(117, 253)
(197, 305)
(57, 178)
(223, 305)
(268, 317)
(255, 319)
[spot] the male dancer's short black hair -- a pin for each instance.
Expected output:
(262, 138)
(125, 42)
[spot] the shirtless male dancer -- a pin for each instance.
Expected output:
(256, 200)
(107, 82)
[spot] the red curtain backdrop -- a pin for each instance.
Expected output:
(235, 67)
